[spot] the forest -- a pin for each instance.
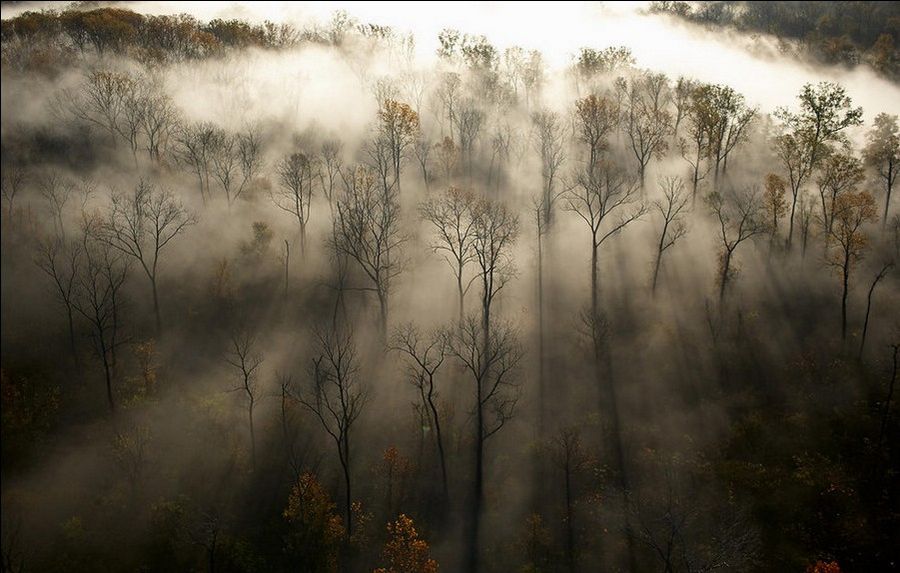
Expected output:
(328, 293)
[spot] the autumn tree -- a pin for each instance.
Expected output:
(775, 201)
(424, 357)
(368, 233)
(315, 530)
(405, 551)
(852, 210)
(294, 192)
(140, 225)
(739, 217)
(671, 208)
(452, 216)
(244, 357)
(882, 153)
(336, 400)
(595, 118)
(399, 126)
(840, 173)
(825, 112)
(727, 120)
(695, 146)
(549, 142)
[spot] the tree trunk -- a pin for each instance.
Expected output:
(845, 283)
(594, 279)
(542, 390)
(462, 294)
(887, 403)
(252, 438)
(478, 493)
(440, 442)
(73, 347)
(345, 466)
(156, 310)
(723, 279)
(659, 252)
(570, 529)
(790, 235)
(383, 315)
(108, 373)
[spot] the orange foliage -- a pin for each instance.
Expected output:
(404, 551)
(824, 567)
(316, 530)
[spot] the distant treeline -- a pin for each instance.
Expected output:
(49, 39)
(833, 32)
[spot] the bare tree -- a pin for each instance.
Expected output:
(549, 140)
(61, 261)
(294, 194)
(250, 162)
(337, 399)
(141, 225)
(569, 456)
(225, 163)
(491, 362)
(495, 231)
(452, 216)
(197, 143)
(246, 359)
(423, 149)
(469, 121)
(740, 217)
(56, 190)
(448, 94)
(12, 181)
(100, 278)
(775, 202)
(330, 163)
(609, 193)
(368, 232)
(424, 358)
(805, 217)
(645, 119)
(159, 122)
(670, 208)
